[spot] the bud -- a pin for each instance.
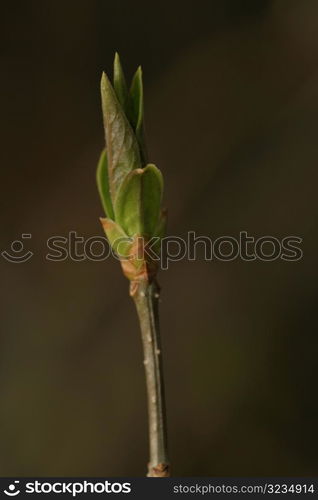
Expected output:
(130, 189)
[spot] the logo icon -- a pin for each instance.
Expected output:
(18, 254)
(13, 492)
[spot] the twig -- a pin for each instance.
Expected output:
(131, 193)
(146, 298)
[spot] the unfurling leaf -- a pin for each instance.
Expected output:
(152, 188)
(103, 184)
(130, 189)
(122, 146)
(118, 239)
(137, 206)
(136, 95)
(128, 207)
(120, 85)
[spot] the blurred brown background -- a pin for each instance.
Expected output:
(231, 94)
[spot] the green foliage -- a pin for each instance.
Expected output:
(120, 85)
(128, 205)
(130, 190)
(136, 95)
(117, 238)
(138, 204)
(152, 190)
(103, 184)
(122, 146)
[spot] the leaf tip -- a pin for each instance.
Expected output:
(117, 64)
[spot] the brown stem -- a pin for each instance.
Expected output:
(146, 298)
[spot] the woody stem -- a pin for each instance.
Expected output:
(146, 298)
